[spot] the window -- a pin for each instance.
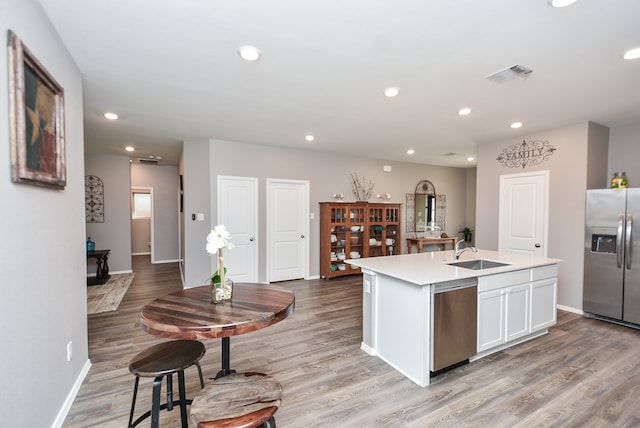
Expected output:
(141, 205)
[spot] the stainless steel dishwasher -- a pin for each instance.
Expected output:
(454, 323)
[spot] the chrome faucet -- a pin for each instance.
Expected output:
(457, 251)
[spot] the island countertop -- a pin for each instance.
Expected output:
(433, 267)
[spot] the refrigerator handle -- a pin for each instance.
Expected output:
(619, 240)
(627, 243)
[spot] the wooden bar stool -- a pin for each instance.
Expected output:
(239, 400)
(159, 361)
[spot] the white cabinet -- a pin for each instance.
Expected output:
(491, 319)
(517, 311)
(515, 304)
(544, 287)
(503, 308)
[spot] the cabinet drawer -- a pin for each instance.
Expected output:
(544, 272)
(501, 280)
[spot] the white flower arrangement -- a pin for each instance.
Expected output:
(218, 240)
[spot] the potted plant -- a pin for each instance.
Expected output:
(468, 233)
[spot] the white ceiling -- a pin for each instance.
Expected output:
(170, 69)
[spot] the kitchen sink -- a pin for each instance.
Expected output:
(478, 264)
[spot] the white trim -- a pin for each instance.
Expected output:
(305, 231)
(117, 272)
(570, 309)
(66, 406)
(158, 262)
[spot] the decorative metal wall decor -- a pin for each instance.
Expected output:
(94, 199)
(528, 153)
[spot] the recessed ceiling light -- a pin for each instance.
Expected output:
(464, 111)
(561, 3)
(410, 151)
(516, 125)
(309, 138)
(391, 92)
(471, 158)
(130, 149)
(111, 116)
(632, 54)
(249, 53)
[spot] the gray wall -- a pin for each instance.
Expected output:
(115, 232)
(164, 181)
(470, 214)
(196, 162)
(569, 168)
(42, 256)
(328, 173)
(624, 152)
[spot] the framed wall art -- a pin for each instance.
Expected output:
(36, 105)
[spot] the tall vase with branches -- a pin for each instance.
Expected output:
(361, 189)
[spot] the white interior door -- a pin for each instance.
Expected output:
(238, 211)
(287, 229)
(524, 213)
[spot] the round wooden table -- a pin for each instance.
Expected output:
(189, 314)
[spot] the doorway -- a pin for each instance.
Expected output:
(142, 221)
(238, 211)
(524, 213)
(287, 229)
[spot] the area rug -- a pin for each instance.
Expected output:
(107, 297)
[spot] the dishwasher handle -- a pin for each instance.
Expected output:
(456, 284)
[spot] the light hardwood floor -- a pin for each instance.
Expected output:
(584, 373)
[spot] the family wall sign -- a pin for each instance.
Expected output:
(528, 153)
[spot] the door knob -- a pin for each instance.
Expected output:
(538, 245)
(251, 239)
(302, 236)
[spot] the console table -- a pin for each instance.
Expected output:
(420, 242)
(102, 274)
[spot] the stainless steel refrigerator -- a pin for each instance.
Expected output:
(611, 272)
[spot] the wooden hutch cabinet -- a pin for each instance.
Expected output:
(350, 230)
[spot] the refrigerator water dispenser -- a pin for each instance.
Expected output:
(603, 243)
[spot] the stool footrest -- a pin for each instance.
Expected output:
(162, 407)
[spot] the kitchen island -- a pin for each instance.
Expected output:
(516, 301)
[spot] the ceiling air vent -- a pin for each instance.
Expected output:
(144, 161)
(509, 73)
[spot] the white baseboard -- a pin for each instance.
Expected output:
(148, 253)
(157, 262)
(117, 272)
(66, 406)
(570, 309)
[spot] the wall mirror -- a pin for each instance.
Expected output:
(425, 210)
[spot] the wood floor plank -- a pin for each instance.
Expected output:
(584, 373)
